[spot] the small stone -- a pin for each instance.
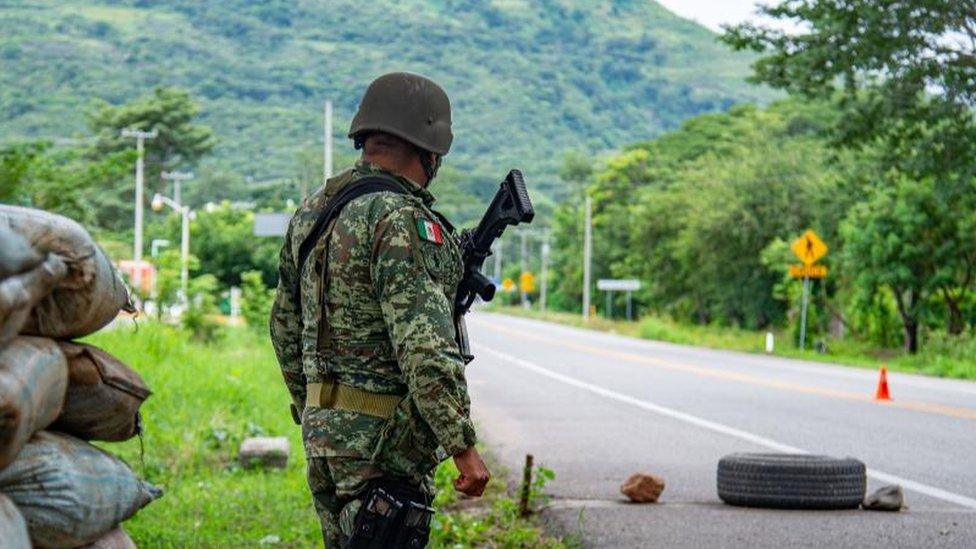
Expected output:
(642, 488)
(886, 498)
(270, 539)
(270, 452)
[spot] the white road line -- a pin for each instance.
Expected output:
(942, 385)
(918, 487)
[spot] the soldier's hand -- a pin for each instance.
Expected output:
(474, 474)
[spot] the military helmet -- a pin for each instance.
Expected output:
(409, 106)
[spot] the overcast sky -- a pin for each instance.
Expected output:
(714, 13)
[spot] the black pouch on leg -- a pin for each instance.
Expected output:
(394, 515)
(414, 532)
(377, 522)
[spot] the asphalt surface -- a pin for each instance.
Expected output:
(596, 407)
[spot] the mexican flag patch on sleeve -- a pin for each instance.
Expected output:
(430, 231)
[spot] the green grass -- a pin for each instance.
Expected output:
(206, 399)
(941, 356)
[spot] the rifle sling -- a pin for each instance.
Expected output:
(333, 207)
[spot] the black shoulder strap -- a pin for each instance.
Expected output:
(333, 207)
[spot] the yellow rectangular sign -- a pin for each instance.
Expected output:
(808, 271)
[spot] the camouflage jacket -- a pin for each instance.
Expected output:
(379, 318)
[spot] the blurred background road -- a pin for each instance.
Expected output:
(596, 407)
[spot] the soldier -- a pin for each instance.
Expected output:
(363, 325)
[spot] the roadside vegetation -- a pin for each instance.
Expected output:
(873, 148)
(208, 397)
(941, 356)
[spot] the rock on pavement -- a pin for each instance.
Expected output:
(642, 488)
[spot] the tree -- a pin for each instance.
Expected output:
(902, 74)
(895, 241)
(69, 181)
(223, 240)
(902, 71)
(170, 111)
(256, 300)
(15, 163)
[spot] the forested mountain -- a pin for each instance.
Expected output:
(530, 79)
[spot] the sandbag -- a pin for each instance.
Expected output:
(91, 294)
(115, 539)
(103, 396)
(33, 380)
(70, 492)
(15, 255)
(13, 528)
(19, 293)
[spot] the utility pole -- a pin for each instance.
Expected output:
(177, 178)
(158, 202)
(523, 260)
(543, 284)
(327, 153)
(587, 253)
(140, 137)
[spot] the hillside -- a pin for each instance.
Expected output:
(529, 79)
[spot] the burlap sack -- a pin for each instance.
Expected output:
(91, 294)
(116, 539)
(103, 396)
(33, 379)
(70, 492)
(19, 293)
(13, 529)
(15, 255)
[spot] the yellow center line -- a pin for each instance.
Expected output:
(914, 405)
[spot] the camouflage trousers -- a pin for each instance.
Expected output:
(336, 483)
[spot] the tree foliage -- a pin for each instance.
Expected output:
(75, 181)
(180, 142)
(691, 213)
(903, 73)
(902, 76)
(526, 78)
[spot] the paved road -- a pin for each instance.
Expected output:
(596, 407)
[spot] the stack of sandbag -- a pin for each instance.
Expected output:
(56, 489)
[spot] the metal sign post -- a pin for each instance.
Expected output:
(803, 312)
(809, 248)
(614, 285)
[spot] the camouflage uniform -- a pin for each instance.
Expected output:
(379, 318)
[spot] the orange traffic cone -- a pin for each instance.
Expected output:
(882, 392)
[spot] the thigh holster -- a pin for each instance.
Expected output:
(393, 515)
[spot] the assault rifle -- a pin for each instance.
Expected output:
(510, 206)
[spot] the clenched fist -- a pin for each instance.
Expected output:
(473, 476)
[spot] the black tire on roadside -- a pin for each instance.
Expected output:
(791, 481)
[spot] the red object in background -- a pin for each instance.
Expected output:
(882, 393)
(147, 274)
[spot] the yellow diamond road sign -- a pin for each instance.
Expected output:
(508, 285)
(809, 248)
(527, 282)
